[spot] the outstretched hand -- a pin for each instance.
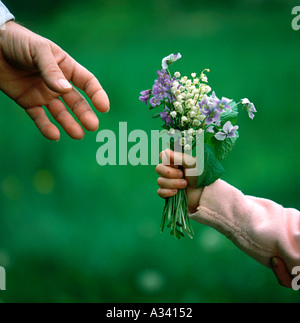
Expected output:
(280, 271)
(36, 73)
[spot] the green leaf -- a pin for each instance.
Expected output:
(223, 148)
(157, 115)
(213, 170)
(230, 115)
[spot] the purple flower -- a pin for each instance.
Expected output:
(209, 109)
(249, 107)
(221, 105)
(145, 96)
(169, 60)
(165, 117)
(155, 102)
(210, 129)
(160, 90)
(228, 131)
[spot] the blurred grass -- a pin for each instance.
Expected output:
(72, 231)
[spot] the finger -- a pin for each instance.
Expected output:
(49, 130)
(49, 69)
(170, 157)
(171, 183)
(281, 273)
(165, 193)
(64, 118)
(87, 82)
(80, 107)
(168, 171)
(166, 161)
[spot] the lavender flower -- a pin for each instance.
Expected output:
(169, 60)
(249, 107)
(209, 109)
(145, 96)
(160, 90)
(165, 117)
(221, 105)
(155, 102)
(228, 131)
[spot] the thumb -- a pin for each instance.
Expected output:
(50, 71)
(281, 273)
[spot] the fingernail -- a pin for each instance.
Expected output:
(183, 183)
(180, 173)
(64, 84)
(274, 262)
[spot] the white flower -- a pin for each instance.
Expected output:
(190, 102)
(171, 131)
(204, 78)
(190, 138)
(175, 84)
(196, 81)
(188, 83)
(192, 114)
(173, 114)
(246, 101)
(196, 122)
(179, 109)
(187, 147)
(184, 119)
(199, 131)
(183, 80)
(190, 131)
(177, 75)
(170, 60)
(194, 75)
(206, 88)
(182, 141)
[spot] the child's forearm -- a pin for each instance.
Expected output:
(259, 227)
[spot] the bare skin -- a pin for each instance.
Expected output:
(36, 73)
(172, 179)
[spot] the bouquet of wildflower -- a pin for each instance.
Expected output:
(185, 106)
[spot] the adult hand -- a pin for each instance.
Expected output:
(172, 178)
(35, 72)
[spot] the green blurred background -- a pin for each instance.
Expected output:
(72, 231)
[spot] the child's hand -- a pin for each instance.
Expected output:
(35, 72)
(172, 178)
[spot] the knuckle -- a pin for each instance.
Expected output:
(53, 68)
(158, 168)
(159, 181)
